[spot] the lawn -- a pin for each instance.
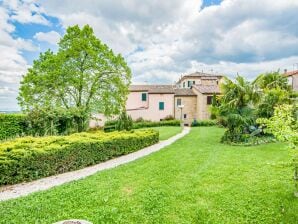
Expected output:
(166, 132)
(195, 180)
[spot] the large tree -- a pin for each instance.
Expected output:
(84, 76)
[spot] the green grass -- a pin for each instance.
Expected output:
(166, 132)
(195, 180)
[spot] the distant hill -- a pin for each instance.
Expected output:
(9, 112)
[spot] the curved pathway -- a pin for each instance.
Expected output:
(23, 189)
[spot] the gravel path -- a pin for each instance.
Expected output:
(23, 189)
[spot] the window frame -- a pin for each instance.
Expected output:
(178, 100)
(209, 100)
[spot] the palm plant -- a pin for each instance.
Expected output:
(237, 108)
(271, 80)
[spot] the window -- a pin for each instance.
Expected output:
(183, 84)
(144, 96)
(161, 105)
(178, 102)
(188, 83)
(193, 82)
(184, 116)
(209, 100)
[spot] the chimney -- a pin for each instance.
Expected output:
(285, 70)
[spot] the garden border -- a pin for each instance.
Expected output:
(23, 189)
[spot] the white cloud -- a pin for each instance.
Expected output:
(163, 39)
(51, 37)
(167, 37)
(26, 11)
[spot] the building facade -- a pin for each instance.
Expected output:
(189, 99)
(293, 79)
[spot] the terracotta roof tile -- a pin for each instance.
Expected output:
(291, 73)
(207, 89)
(152, 88)
(184, 92)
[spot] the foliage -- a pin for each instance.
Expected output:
(12, 125)
(84, 75)
(195, 180)
(272, 80)
(111, 125)
(124, 122)
(196, 123)
(30, 158)
(156, 124)
(168, 118)
(236, 110)
(270, 99)
(284, 126)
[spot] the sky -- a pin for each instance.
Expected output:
(160, 40)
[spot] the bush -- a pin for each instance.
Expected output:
(147, 124)
(12, 125)
(30, 158)
(124, 122)
(196, 123)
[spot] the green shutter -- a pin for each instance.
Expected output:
(161, 105)
(144, 96)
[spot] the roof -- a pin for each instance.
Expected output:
(152, 88)
(291, 73)
(200, 74)
(184, 92)
(207, 89)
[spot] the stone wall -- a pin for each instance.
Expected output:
(190, 109)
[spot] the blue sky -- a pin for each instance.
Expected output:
(159, 39)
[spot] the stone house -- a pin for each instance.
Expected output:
(156, 102)
(293, 79)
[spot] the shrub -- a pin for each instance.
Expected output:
(30, 158)
(124, 122)
(196, 123)
(168, 118)
(147, 124)
(12, 125)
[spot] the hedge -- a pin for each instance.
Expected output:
(12, 125)
(30, 158)
(111, 125)
(204, 123)
(147, 124)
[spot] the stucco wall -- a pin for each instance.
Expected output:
(190, 108)
(196, 79)
(134, 100)
(295, 82)
(202, 107)
(152, 112)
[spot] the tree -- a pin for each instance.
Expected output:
(271, 81)
(236, 110)
(284, 126)
(124, 122)
(84, 75)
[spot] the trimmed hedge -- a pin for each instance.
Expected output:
(12, 125)
(148, 124)
(30, 158)
(111, 125)
(204, 123)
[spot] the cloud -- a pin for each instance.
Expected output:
(165, 38)
(51, 37)
(12, 62)
(26, 11)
